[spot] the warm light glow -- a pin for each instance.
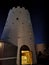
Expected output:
(25, 51)
(26, 57)
(0, 44)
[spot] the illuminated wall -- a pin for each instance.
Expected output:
(18, 30)
(40, 47)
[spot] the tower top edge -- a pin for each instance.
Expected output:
(18, 7)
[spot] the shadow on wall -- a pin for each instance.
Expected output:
(43, 58)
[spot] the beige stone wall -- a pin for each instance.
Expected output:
(40, 47)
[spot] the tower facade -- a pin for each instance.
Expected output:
(18, 31)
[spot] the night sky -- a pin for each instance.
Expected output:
(39, 16)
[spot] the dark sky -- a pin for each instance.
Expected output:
(39, 16)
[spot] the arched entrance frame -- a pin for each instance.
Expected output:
(24, 48)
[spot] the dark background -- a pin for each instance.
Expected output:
(39, 16)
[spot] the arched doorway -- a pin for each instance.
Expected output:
(25, 56)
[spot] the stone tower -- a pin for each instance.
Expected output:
(18, 31)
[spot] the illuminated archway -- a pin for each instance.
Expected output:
(25, 55)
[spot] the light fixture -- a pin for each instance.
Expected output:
(0, 44)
